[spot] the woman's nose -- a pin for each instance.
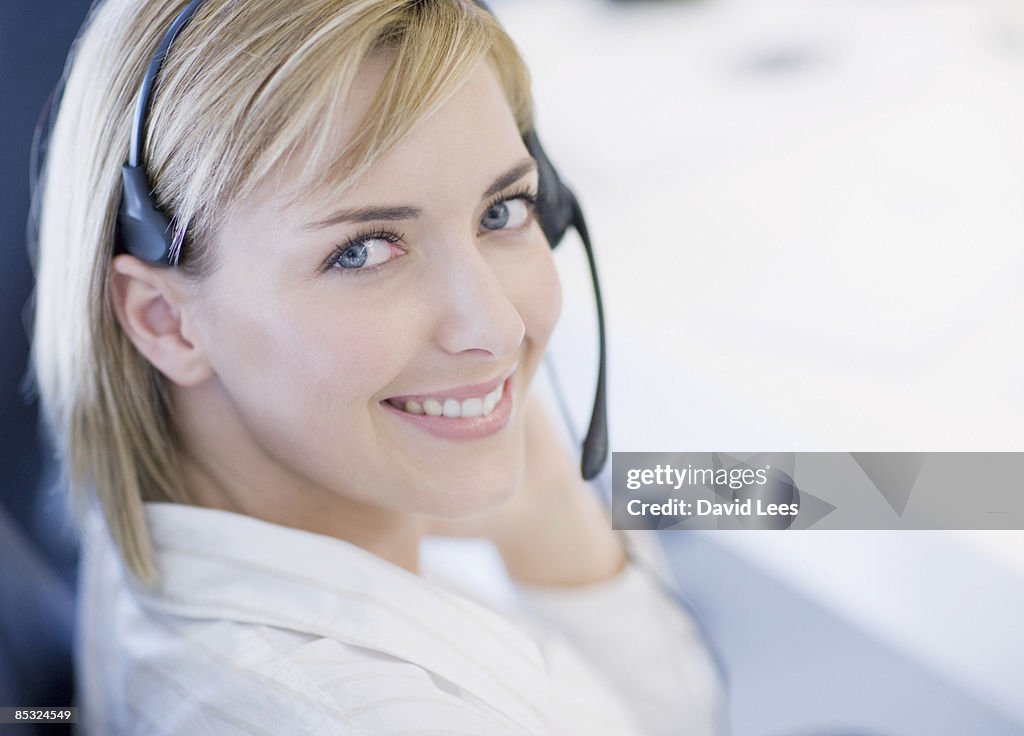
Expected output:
(477, 312)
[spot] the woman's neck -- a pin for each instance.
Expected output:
(391, 535)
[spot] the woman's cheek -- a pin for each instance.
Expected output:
(537, 295)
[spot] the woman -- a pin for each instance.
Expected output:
(339, 366)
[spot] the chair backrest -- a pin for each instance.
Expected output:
(37, 617)
(36, 565)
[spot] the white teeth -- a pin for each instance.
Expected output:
(477, 406)
(433, 407)
(452, 408)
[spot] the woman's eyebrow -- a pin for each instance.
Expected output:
(366, 214)
(511, 176)
(408, 212)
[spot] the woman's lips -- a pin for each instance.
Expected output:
(436, 406)
(478, 390)
(476, 415)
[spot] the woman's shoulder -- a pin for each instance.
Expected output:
(195, 676)
(321, 640)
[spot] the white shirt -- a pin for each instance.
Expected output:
(257, 628)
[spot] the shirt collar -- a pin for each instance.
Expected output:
(221, 564)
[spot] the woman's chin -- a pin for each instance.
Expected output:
(471, 491)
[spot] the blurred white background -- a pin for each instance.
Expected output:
(809, 221)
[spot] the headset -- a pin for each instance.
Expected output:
(145, 231)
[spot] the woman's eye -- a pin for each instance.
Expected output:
(364, 254)
(506, 214)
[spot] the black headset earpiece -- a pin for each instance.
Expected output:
(146, 232)
(554, 200)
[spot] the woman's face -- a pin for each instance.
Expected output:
(336, 328)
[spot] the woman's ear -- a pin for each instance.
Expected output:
(148, 301)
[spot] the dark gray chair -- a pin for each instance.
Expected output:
(37, 556)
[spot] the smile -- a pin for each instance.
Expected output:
(475, 406)
(466, 413)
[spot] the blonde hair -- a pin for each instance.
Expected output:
(247, 84)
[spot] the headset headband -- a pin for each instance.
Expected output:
(145, 231)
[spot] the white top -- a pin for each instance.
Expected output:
(257, 628)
